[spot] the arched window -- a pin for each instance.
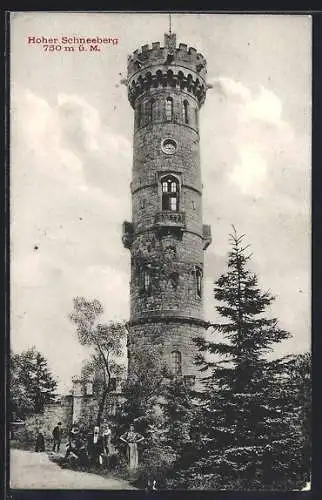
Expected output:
(176, 363)
(147, 281)
(139, 114)
(199, 281)
(151, 110)
(170, 193)
(173, 279)
(186, 111)
(169, 109)
(197, 117)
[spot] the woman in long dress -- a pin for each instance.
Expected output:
(132, 438)
(107, 433)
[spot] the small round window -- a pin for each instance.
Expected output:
(169, 146)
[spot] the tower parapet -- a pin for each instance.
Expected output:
(169, 66)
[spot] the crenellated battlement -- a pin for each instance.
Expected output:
(151, 62)
(150, 55)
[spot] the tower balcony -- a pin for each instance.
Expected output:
(206, 235)
(127, 234)
(169, 219)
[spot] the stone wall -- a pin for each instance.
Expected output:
(171, 263)
(60, 411)
(166, 88)
(169, 336)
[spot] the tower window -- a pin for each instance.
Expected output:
(170, 194)
(173, 204)
(185, 111)
(147, 282)
(199, 281)
(176, 367)
(174, 278)
(169, 109)
(151, 110)
(139, 114)
(197, 117)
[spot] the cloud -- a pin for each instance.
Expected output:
(66, 217)
(251, 134)
(257, 102)
(250, 173)
(230, 88)
(83, 130)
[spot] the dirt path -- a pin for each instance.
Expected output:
(30, 470)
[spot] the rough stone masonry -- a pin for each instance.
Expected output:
(166, 237)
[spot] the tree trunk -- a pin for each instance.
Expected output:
(102, 405)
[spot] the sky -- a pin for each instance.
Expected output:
(71, 160)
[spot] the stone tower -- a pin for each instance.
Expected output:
(166, 238)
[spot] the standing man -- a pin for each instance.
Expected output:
(57, 433)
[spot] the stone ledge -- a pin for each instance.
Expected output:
(168, 319)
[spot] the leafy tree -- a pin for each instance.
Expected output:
(144, 396)
(247, 428)
(106, 340)
(32, 385)
(143, 389)
(94, 371)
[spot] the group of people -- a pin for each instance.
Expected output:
(94, 445)
(57, 436)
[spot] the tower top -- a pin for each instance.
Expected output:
(156, 66)
(168, 57)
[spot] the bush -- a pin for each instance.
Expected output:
(155, 463)
(116, 461)
(24, 436)
(22, 445)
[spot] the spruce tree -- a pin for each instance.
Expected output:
(247, 437)
(182, 428)
(180, 413)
